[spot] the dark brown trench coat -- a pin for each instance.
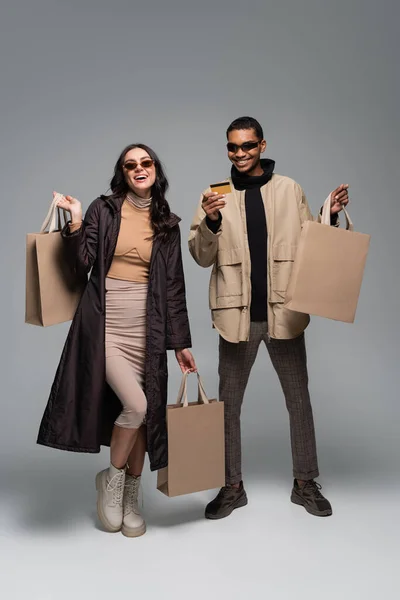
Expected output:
(82, 408)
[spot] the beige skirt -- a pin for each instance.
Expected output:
(126, 322)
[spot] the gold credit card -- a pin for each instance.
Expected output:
(221, 188)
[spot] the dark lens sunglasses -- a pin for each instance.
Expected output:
(146, 163)
(245, 147)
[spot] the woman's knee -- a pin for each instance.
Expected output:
(141, 414)
(132, 417)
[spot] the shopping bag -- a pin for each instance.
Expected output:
(328, 269)
(52, 290)
(196, 448)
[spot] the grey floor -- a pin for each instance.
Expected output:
(53, 549)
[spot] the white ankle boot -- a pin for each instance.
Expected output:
(110, 492)
(133, 524)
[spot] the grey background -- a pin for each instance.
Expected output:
(79, 81)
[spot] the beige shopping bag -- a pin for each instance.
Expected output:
(328, 269)
(52, 290)
(196, 453)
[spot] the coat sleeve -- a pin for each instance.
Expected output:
(305, 212)
(203, 243)
(178, 329)
(82, 244)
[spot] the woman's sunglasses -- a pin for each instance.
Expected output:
(146, 163)
(245, 147)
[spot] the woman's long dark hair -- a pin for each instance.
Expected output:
(159, 210)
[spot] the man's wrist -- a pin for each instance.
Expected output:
(334, 217)
(214, 225)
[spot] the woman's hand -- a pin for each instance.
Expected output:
(71, 205)
(186, 361)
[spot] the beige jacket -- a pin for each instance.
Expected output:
(228, 252)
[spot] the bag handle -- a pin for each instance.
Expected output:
(326, 215)
(182, 394)
(52, 221)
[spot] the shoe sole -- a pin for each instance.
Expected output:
(132, 533)
(322, 513)
(100, 512)
(239, 504)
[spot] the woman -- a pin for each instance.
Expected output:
(111, 384)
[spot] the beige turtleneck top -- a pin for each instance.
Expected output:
(132, 254)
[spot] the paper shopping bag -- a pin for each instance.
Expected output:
(328, 269)
(196, 452)
(52, 290)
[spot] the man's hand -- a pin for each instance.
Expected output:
(339, 199)
(212, 204)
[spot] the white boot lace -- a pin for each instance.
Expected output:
(116, 486)
(132, 486)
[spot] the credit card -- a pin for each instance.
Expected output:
(221, 188)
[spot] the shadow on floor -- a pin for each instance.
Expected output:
(45, 498)
(59, 494)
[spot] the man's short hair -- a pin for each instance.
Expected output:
(246, 123)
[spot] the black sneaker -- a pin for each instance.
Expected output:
(225, 503)
(309, 496)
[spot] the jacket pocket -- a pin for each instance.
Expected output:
(283, 256)
(229, 273)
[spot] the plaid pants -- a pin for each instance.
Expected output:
(290, 363)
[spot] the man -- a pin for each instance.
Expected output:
(250, 236)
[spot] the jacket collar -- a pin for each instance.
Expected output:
(115, 204)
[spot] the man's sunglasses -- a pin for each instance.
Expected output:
(246, 146)
(146, 163)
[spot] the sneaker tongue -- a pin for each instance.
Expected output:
(227, 490)
(313, 488)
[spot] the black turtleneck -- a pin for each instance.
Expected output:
(256, 234)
